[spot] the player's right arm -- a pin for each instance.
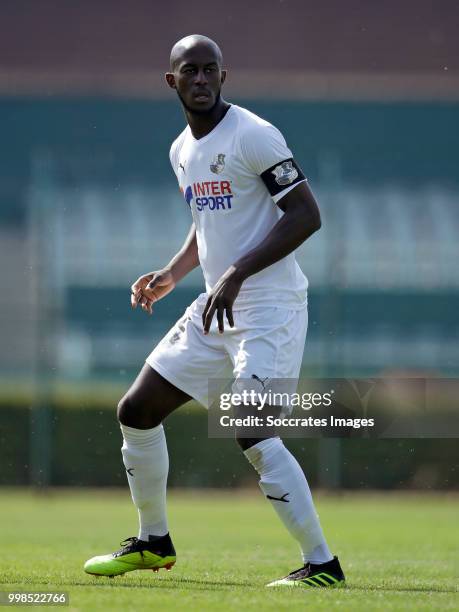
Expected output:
(153, 286)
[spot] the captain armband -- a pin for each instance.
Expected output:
(282, 175)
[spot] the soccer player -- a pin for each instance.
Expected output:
(251, 208)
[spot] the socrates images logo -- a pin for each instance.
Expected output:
(285, 173)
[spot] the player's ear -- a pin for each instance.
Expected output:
(170, 80)
(223, 78)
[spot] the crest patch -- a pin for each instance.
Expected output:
(217, 165)
(285, 173)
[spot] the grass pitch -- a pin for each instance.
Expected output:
(399, 552)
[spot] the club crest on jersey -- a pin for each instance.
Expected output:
(217, 165)
(285, 173)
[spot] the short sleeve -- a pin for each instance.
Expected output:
(262, 147)
(174, 152)
(266, 153)
(173, 157)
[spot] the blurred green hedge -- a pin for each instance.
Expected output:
(85, 451)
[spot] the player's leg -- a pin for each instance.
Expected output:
(272, 349)
(284, 483)
(177, 370)
(150, 399)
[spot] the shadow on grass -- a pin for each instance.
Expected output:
(222, 585)
(196, 585)
(401, 589)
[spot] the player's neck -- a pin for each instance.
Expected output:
(202, 124)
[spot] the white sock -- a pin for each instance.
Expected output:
(282, 477)
(146, 461)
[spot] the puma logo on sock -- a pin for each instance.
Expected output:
(282, 499)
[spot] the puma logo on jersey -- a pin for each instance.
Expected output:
(262, 381)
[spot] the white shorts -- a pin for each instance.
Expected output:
(267, 342)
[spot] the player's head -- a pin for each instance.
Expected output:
(196, 73)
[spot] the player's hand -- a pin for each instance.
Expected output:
(150, 288)
(221, 300)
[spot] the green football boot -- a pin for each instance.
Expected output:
(327, 574)
(134, 554)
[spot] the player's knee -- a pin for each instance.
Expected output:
(131, 412)
(123, 409)
(134, 411)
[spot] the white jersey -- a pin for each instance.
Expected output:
(231, 179)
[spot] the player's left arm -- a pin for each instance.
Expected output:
(300, 220)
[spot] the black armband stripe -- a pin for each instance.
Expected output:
(282, 175)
